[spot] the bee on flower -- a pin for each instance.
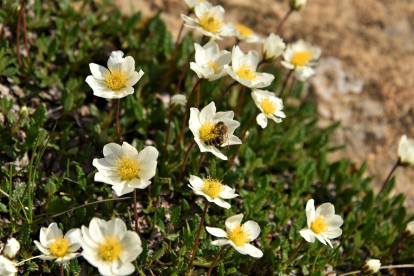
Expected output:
(269, 105)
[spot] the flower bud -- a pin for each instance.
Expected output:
(178, 101)
(297, 5)
(23, 113)
(409, 229)
(371, 266)
(273, 47)
(11, 248)
(406, 151)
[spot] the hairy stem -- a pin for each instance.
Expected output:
(282, 22)
(198, 236)
(61, 270)
(392, 250)
(224, 92)
(295, 252)
(215, 260)
(285, 83)
(135, 210)
(388, 179)
(180, 80)
(243, 93)
(185, 160)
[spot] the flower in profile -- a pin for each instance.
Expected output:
(209, 21)
(212, 190)
(210, 61)
(406, 151)
(177, 101)
(273, 47)
(409, 229)
(269, 105)
(322, 223)
(7, 267)
(297, 5)
(243, 69)
(56, 246)
(116, 81)
(191, 4)
(125, 168)
(211, 129)
(301, 56)
(238, 235)
(244, 33)
(371, 266)
(110, 247)
(11, 248)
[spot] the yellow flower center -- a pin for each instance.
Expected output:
(206, 132)
(201, 0)
(110, 248)
(212, 187)
(301, 58)
(268, 106)
(244, 31)
(115, 78)
(214, 65)
(245, 72)
(319, 225)
(239, 235)
(210, 22)
(127, 167)
(59, 246)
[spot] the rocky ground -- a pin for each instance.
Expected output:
(365, 78)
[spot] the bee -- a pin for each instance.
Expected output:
(221, 132)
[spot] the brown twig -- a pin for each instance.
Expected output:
(243, 93)
(4, 24)
(180, 80)
(295, 252)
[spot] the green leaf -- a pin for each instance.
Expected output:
(40, 115)
(74, 267)
(231, 178)
(24, 234)
(175, 215)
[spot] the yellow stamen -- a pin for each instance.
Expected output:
(239, 235)
(201, 0)
(214, 64)
(206, 132)
(115, 78)
(245, 72)
(127, 167)
(301, 58)
(210, 22)
(268, 106)
(319, 225)
(212, 187)
(244, 31)
(110, 248)
(59, 246)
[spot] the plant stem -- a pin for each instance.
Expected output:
(198, 235)
(292, 84)
(26, 42)
(180, 80)
(198, 96)
(35, 257)
(200, 161)
(392, 250)
(224, 93)
(314, 262)
(215, 259)
(167, 135)
(388, 179)
(4, 24)
(135, 210)
(61, 270)
(177, 42)
(295, 252)
(117, 120)
(282, 22)
(285, 83)
(185, 160)
(243, 93)
(19, 19)
(382, 267)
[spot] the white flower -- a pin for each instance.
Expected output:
(178, 101)
(300, 56)
(191, 4)
(116, 82)
(273, 47)
(238, 235)
(213, 190)
(322, 223)
(110, 247)
(246, 34)
(297, 4)
(209, 21)
(204, 125)
(210, 61)
(125, 168)
(54, 245)
(406, 151)
(243, 69)
(370, 267)
(409, 229)
(7, 267)
(11, 248)
(270, 106)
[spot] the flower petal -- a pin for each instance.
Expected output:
(233, 221)
(217, 232)
(98, 71)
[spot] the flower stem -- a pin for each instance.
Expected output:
(295, 252)
(282, 22)
(35, 257)
(388, 179)
(135, 211)
(224, 93)
(198, 96)
(61, 270)
(177, 42)
(292, 84)
(4, 24)
(19, 19)
(167, 135)
(26, 42)
(382, 267)
(285, 83)
(117, 120)
(243, 93)
(200, 161)
(185, 160)
(215, 259)
(198, 235)
(180, 80)
(392, 250)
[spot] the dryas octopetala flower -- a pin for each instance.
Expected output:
(54, 245)
(212, 190)
(7, 267)
(371, 266)
(243, 69)
(116, 81)
(125, 168)
(211, 129)
(322, 223)
(209, 21)
(273, 47)
(300, 56)
(270, 106)
(191, 4)
(110, 247)
(409, 229)
(177, 101)
(297, 5)
(11, 248)
(210, 61)
(238, 235)
(244, 33)
(406, 151)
